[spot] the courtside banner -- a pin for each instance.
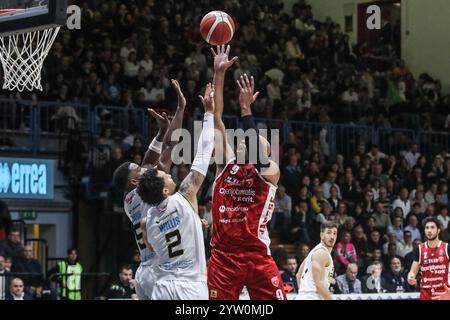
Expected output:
(25, 178)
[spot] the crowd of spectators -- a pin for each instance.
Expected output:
(379, 202)
(127, 51)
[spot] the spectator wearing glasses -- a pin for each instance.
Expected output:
(396, 276)
(348, 283)
(16, 291)
(375, 282)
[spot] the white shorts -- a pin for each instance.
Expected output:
(144, 282)
(308, 296)
(180, 290)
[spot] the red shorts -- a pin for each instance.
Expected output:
(228, 273)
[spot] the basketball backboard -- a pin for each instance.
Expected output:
(27, 15)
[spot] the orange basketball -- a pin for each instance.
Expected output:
(217, 28)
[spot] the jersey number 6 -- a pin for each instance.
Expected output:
(172, 251)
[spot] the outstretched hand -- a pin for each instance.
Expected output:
(180, 95)
(208, 99)
(221, 62)
(162, 119)
(246, 93)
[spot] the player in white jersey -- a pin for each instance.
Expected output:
(126, 177)
(316, 272)
(173, 226)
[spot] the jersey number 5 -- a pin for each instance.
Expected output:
(139, 235)
(172, 244)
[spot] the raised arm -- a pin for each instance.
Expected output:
(165, 161)
(153, 153)
(268, 168)
(319, 263)
(223, 151)
(190, 186)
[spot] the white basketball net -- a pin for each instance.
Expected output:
(22, 56)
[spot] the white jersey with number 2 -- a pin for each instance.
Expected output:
(174, 230)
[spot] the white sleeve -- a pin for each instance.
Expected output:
(205, 145)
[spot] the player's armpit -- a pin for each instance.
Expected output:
(271, 173)
(190, 186)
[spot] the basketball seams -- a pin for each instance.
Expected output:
(213, 27)
(227, 21)
(217, 28)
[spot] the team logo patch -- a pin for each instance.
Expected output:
(249, 182)
(275, 281)
(222, 209)
(162, 208)
(441, 253)
(213, 294)
(129, 199)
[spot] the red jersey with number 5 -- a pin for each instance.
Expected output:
(242, 205)
(434, 268)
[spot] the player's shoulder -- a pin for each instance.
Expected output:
(271, 174)
(319, 253)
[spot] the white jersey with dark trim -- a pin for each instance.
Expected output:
(307, 284)
(136, 209)
(174, 230)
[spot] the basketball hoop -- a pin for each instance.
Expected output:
(22, 55)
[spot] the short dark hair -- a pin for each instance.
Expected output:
(124, 267)
(328, 225)
(291, 257)
(150, 187)
(433, 220)
(120, 176)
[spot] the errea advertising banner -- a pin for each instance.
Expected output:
(23, 178)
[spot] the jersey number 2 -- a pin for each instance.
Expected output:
(172, 244)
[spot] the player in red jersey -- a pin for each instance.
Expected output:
(243, 202)
(432, 260)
